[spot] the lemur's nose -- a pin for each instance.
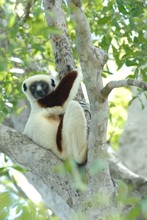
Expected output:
(39, 92)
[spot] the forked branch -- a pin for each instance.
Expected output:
(121, 83)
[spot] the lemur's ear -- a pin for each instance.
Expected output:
(24, 87)
(53, 83)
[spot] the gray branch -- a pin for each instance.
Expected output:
(120, 171)
(41, 164)
(60, 42)
(121, 83)
(56, 190)
(92, 61)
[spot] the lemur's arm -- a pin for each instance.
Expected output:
(66, 90)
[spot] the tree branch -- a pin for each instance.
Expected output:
(51, 199)
(48, 183)
(27, 10)
(42, 165)
(121, 83)
(60, 42)
(120, 172)
(92, 61)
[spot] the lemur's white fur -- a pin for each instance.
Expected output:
(64, 122)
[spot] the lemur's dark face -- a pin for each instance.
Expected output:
(38, 86)
(39, 89)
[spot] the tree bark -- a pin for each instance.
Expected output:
(134, 138)
(41, 165)
(58, 189)
(120, 172)
(60, 42)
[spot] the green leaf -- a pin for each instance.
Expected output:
(21, 169)
(3, 64)
(104, 20)
(3, 171)
(106, 42)
(51, 30)
(5, 200)
(144, 207)
(137, 8)
(141, 102)
(28, 211)
(3, 214)
(131, 62)
(11, 21)
(38, 47)
(121, 6)
(13, 32)
(135, 75)
(144, 74)
(130, 102)
(122, 191)
(131, 200)
(133, 213)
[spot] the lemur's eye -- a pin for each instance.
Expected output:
(44, 85)
(33, 87)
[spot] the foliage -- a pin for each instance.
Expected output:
(14, 203)
(24, 49)
(70, 168)
(127, 198)
(117, 115)
(117, 26)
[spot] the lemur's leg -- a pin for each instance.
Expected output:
(75, 132)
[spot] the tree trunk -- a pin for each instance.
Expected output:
(59, 190)
(42, 163)
(134, 138)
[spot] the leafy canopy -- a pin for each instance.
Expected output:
(117, 26)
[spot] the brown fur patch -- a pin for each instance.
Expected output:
(61, 93)
(59, 134)
(53, 117)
